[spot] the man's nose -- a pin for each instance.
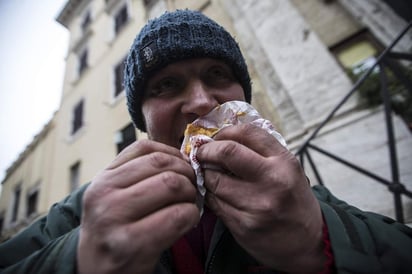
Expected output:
(198, 99)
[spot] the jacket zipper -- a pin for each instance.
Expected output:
(209, 267)
(164, 260)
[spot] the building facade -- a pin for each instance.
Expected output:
(299, 54)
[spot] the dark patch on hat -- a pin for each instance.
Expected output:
(149, 55)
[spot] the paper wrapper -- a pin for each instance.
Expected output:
(203, 129)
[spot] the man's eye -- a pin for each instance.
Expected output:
(165, 86)
(217, 72)
(220, 74)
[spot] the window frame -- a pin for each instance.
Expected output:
(121, 16)
(118, 74)
(77, 121)
(83, 61)
(86, 21)
(74, 175)
(123, 137)
(360, 36)
(16, 204)
(32, 209)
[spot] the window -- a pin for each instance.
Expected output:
(118, 78)
(87, 19)
(149, 3)
(74, 176)
(32, 199)
(16, 203)
(357, 53)
(77, 122)
(125, 137)
(358, 57)
(120, 19)
(83, 63)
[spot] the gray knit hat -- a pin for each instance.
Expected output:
(172, 37)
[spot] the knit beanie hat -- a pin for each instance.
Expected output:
(172, 37)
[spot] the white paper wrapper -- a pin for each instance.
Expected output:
(227, 114)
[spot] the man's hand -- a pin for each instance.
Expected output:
(136, 208)
(264, 199)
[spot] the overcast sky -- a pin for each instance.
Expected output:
(33, 47)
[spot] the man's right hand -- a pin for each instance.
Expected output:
(136, 208)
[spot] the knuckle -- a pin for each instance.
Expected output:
(92, 195)
(213, 181)
(267, 206)
(143, 142)
(263, 212)
(183, 216)
(172, 181)
(88, 200)
(140, 145)
(113, 244)
(294, 161)
(249, 128)
(247, 131)
(249, 226)
(177, 184)
(159, 160)
(229, 150)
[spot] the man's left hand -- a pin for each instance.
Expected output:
(263, 197)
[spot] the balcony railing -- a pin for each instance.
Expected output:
(383, 63)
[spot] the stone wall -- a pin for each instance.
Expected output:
(305, 82)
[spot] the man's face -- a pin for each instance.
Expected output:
(183, 91)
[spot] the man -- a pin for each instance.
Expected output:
(139, 214)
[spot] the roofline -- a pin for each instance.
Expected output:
(36, 139)
(66, 14)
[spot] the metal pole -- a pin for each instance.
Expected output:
(394, 187)
(354, 88)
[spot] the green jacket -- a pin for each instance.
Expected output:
(361, 242)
